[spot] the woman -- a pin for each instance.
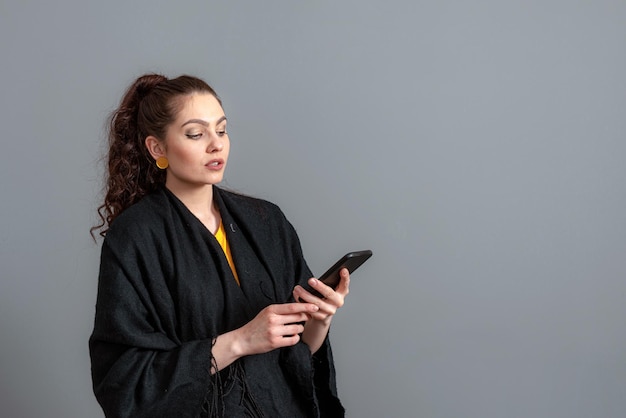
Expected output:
(196, 312)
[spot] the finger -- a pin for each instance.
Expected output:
(292, 329)
(278, 340)
(323, 289)
(288, 341)
(330, 296)
(324, 315)
(337, 294)
(344, 283)
(302, 295)
(294, 308)
(295, 318)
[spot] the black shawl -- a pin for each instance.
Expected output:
(166, 292)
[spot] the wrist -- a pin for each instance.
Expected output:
(234, 344)
(319, 322)
(226, 350)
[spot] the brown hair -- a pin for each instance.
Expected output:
(147, 108)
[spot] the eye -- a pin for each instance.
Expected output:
(222, 132)
(194, 136)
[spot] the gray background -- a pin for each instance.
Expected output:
(477, 147)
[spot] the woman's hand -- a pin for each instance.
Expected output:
(274, 327)
(315, 330)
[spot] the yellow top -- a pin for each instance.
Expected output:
(220, 235)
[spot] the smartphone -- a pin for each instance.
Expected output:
(351, 261)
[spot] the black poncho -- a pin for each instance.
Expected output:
(166, 291)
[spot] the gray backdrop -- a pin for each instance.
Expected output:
(477, 147)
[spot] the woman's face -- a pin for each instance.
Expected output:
(196, 144)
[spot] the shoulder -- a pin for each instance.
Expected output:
(150, 213)
(250, 205)
(259, 216)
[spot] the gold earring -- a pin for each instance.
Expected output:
(162, 163)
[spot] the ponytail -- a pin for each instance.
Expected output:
(147, 108)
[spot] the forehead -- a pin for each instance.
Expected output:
(199, 106)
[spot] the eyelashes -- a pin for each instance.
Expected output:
(199, 135)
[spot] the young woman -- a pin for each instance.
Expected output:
(196, 312)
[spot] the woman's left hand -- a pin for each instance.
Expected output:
(330, 301)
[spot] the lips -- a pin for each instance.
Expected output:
(215, 164)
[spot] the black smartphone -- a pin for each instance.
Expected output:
(351, 261)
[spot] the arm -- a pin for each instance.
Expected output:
(140, 365)
(316, 328)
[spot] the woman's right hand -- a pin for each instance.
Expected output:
(274, 327)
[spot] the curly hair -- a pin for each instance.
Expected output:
(147, 108)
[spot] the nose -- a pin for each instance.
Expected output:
(216, 144)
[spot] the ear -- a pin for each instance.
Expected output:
(155, 147)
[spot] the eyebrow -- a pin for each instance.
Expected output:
(203, 122)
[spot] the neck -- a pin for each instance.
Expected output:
(199, 201)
